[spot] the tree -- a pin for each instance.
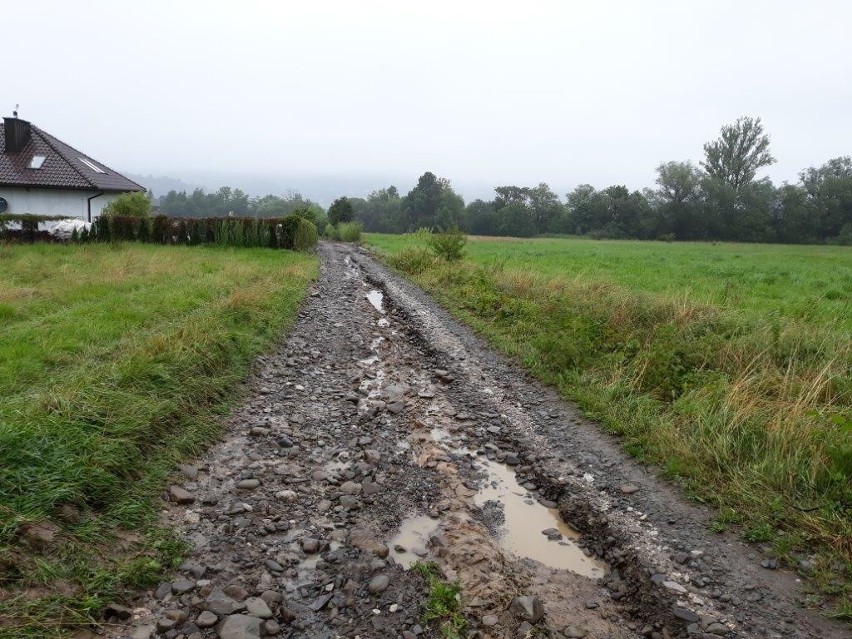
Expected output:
(340, 211)
(738, 153)
(829, 194)
(432, 203)
(133, 204)
(676, 198)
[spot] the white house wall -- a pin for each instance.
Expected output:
(54, 202)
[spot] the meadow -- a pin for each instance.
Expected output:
(116, 362)
(728, 366)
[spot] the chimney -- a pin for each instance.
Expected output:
(17, 134)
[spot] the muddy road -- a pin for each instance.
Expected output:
(382, 433)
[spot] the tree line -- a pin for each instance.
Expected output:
(722, 198)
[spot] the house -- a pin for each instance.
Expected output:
(42, 175)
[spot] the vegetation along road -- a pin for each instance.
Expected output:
(386, 473)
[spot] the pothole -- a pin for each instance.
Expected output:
(408, 546)
(376, 298)
(525, 520)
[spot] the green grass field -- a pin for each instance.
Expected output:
(729, 366)
(115, 362)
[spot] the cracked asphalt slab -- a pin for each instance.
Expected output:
(382, 433)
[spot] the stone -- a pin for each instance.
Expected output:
(528, 608)
(180, 495)
(248, 484)
(511, 459)
(240, 627)
(628, 489)
(310, 545)
(257, 607)
(684, 614)
(574, 632)
(273, 565)
(770, 564)
(236, 591)
(378, 583)
(117, 611)
(182, 585)
(287, 496)
(206, 619)
(163, 591)
(271, 627)
(221, 604)
(165, 624)
(351, 488)
(490, 620)
(349, 502)
(717, 628)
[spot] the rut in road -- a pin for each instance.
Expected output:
(382, 434)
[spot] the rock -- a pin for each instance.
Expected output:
(287, 496)
(182, 585)
(552, 534)
(512, 459)
(272, 597)
(117, 611)
(163, 591)
(271, 627)
(528, 608)
(490, 620)
(165, 624)
(628, 489)
(682, 557)
(221, 604)
(310, 545)
(349, 502)
(180, 495)
(284, 441)
(372, 456)
(143, 632)
(684, 614)
(573, 632)
(351, 488)
(717, 628)
(256, 607)
(248, 484)
(396, 407)
(378, 583)
(273, 565)
(365, 539)
(206, 619)
(370, 488)
(236, 591)
(770, 564)
(178, 616)
(258, 431)
(673, 585)
(240, 627)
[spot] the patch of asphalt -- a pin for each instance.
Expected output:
(304, 515)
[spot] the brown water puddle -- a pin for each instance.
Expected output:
(409, 544)
(525, 519)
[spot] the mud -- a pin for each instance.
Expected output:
(381, 433)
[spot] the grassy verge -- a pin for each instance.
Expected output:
(728, 366)
(443, 603)
(114, 363)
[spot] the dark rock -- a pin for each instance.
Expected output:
(240, 627)
(527, 607)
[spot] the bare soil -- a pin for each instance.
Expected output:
(382, 432)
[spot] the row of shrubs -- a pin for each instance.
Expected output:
(291, 232)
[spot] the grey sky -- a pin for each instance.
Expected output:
(483, 93)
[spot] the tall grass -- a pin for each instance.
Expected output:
(114, 361)
(748, 409)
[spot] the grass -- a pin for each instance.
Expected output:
(115, 363)
(728, 366)
(443, 602)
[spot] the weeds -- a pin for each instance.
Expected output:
(448, 244)
(444, 602)
(349, 231)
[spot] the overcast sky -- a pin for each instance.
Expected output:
(483, 93)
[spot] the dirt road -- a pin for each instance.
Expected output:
(383, 433)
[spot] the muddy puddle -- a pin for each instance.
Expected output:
(525, 520)
(409, 544)
(376, 298)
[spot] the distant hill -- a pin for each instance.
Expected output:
(160, 185)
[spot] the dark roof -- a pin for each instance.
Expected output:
(63, 167)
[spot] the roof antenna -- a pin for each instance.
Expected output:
(15, 112)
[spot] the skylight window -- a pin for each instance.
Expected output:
(92, 165)
(36, 162)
